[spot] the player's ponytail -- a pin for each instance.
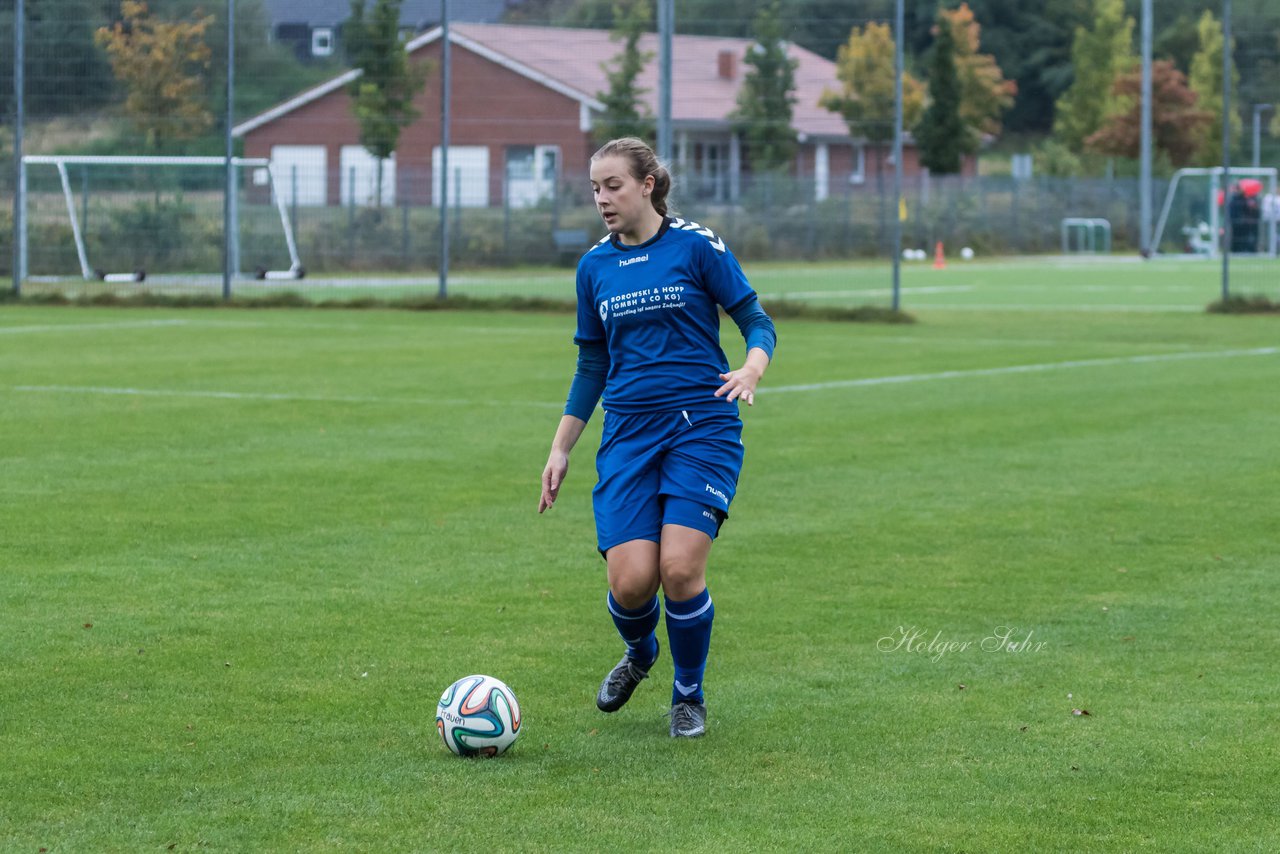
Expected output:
(644, 162)
(661, 188)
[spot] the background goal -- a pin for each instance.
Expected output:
(1199, 202)
(159, 219)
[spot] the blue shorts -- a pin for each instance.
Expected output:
(665, 468)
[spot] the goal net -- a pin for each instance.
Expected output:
(1208, 211)
(1201, 207)
(157, 219)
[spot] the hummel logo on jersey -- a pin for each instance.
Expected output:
(604, 310)
(639, 259)
(685, 225)
(686, 689)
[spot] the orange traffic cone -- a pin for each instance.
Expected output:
(939, 261)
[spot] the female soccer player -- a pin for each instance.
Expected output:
(648, 339)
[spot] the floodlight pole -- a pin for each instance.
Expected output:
(1226, 149)
(1258, 110)
(1144, 174)
(20, 174)
(898, 18)
(229, 224)
(666, 27)
(445, 62)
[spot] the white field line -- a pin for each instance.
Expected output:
(836, 384)
(1025, 369)
(89, 327)
(868, 292)
(262, 324)
(271, 396)
(915, 340)
(1100, 307)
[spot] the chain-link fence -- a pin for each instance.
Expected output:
(108, 193)
(170, 216)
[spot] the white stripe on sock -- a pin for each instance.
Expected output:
(608, 601)
(697, 613)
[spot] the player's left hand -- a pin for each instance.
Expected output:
(740, 384)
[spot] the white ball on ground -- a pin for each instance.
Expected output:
(478, 716)
(966, 253)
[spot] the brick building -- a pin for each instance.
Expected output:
(524, 100)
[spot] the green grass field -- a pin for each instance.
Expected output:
(1053, 283)
(243, 553)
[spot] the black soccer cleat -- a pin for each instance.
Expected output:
(617, 687)
(688, 720)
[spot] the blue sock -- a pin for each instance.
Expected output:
(689, 633)
(637, 628)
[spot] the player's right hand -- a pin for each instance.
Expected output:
(552, 476)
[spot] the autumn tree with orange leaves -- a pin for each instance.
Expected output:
(1178, 125)
(163, 66)
(984, 92)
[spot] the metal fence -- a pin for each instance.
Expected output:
(166, 216)
(309, 196)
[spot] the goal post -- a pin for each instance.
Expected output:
(151, 214)
(1197, 204)
(1086, 234)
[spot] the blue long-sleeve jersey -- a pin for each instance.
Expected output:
(652, 310)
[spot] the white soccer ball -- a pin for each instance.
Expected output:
(966, 253)
(478, 716)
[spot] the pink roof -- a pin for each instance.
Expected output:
(699, 96)
(572, 62)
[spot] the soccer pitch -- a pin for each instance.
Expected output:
(245, 551)
(1078, 283)
(1048, 283)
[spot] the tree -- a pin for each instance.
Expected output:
(1177, 122)
(1100, 55)
(941, 134)
(1275, 115)
(624, 113)
(162, 66)
(68, 72)
(766, 99)
(65, 71)
(984, 93)
(1205, 81)
(267, 72)
(1031, 42)
(1178, 41)
(382, 97)
(865, 68)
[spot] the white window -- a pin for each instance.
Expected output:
(302, 174)
(359, 176)
(532, 171)
(859, 173)
(821, 172)
(322, 41)
(520, 162)
(468, 176)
